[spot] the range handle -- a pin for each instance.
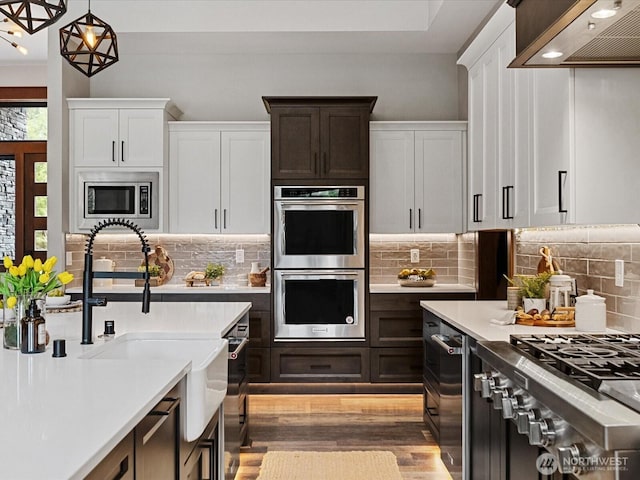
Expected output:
(441, 340)
(234, 355)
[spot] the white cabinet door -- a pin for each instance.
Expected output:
(438, 158)
(141, 138)
(194, 169)
(551, 133)
(245, 187)
(392, 182)
(94, 140)
(118, 137)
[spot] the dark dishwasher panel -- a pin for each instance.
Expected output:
(443, 357)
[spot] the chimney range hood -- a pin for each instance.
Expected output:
(577, 33)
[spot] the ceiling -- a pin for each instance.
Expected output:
(275, 26)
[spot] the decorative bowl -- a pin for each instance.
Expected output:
(57, 301)
(425, 282)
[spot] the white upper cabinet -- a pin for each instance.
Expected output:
(417, 176)
(219, 177)
(108, 133)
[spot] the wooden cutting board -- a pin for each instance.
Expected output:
(545, 323)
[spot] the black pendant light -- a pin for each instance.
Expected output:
(33, 15)
(89, 44)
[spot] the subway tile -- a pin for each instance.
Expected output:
(601, 268)
(615, 234)
(612, 251)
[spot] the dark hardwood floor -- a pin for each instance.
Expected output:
(343, 423)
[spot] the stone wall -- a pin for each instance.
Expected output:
(7, 207)
(13, 123)
(588, 254)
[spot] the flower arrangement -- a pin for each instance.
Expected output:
(31, 279)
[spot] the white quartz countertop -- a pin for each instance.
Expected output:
(473, 318)
(437, 288)
(175, 288)
(59, 417)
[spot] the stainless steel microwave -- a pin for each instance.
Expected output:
(129, 195)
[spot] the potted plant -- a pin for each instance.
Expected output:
(533, 289)
(213, 273)
(155, 276)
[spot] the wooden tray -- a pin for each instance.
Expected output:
(75, 306)
(545, 323)
(429, 282)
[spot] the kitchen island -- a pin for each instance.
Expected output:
(61, 416)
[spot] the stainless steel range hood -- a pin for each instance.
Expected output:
(576, 33)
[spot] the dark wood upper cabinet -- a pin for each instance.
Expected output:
(319, 137)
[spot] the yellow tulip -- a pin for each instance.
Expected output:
(65, 277)
(27, 261)
(37, 265)
(13, 271)
(44, 278)
(22, 270)
(49, 264)
(11, 302)
(8, 263)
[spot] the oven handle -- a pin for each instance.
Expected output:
(440, 340)
(311, 204)
(234, 355)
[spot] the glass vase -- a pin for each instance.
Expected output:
(12, 317)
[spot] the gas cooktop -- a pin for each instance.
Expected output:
(607, 363)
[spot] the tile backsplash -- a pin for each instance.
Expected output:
(188, 252)
(588, 254)
(391, 253)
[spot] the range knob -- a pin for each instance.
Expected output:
(499, 395)
(569, 459)
(484, 383)
(542, 432)
(511, 406)
(523, 418)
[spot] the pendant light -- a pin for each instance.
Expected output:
(14, 31)
(89, 44)
(33, 15)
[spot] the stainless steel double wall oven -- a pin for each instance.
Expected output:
(319, 263)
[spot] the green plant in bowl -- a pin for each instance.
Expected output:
(214, 271)
(154, 270)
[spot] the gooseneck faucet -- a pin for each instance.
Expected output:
(88, 300)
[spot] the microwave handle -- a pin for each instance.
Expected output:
(282, 235)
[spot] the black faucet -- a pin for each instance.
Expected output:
(88, 300)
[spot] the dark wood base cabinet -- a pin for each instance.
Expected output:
(259, 365)
(396, 365)
(119, 463)
(331, 364)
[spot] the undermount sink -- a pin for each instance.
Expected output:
(206, 384)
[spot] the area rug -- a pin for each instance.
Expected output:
(359, 465)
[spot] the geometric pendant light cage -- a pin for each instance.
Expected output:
(33, 15)
(89, 44)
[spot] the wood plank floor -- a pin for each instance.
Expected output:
(343, 423)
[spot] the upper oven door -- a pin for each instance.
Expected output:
(319, 234)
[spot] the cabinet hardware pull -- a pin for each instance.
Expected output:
(476, 207)
(561, 180)
(419, 219)
(320, 367)
(433, 411)
(510, 189)
(506, 204)
(410, 217)
(224, 218)
(215, 218)
(163, 416)
(124, 468)
(113, 151)
(122, 151)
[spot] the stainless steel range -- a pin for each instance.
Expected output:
(576, 397)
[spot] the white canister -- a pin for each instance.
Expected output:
(591, 313)
(103, 264)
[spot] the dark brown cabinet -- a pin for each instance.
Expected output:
(331, 364)
(317, 138)
(156, 441)
(117, 464)
(396, 335)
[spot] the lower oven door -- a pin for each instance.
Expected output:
(319, 305)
